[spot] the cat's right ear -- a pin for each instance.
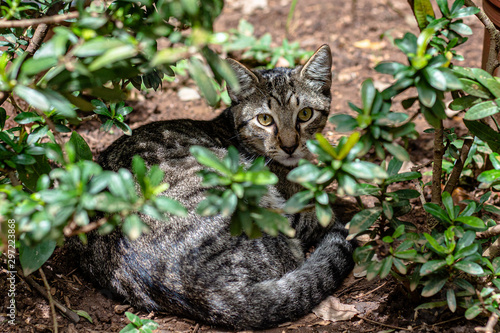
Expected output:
(247, 81)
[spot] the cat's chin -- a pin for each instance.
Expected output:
(289, 161)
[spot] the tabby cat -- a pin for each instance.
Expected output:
(191, 266)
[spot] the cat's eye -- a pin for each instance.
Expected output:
(305, 114)
(265, 119)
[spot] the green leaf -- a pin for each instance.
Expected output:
(473, 221)
(434, 244)
(435, 78)
(364, 220)
(463, 12)
(3, 118)
(473, 312)
(364, 170)
(368, 93)
(489, 176)
(32, 97)
(474, 88)
(391, 68)
(27, 117)
(324, 214)
(433, 286)
(463, 103)
(206, 157)
(84, 314)
(112, 56)
(172, 206)
(448, 204)
(82, 149)
(407, 254)
(23, 159)
(431, 266)
(431, 305)
(461, 28)
(402, 177)
(343, 122)
(298, 201)
(397, 151)
(34, 66)
(133, 227)
(485, 133)
(203, 81)
(305, 173)
(96, 46)
(32, 258)
(482, 110)
(437, 212)
(426, 94)
(469, 267)
(422, 8)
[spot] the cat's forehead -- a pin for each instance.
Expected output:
(277, 77)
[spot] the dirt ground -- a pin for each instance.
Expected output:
(360, 33)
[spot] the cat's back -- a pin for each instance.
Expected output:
(165, 143)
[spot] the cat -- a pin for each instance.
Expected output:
(191, 266)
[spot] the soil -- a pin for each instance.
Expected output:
(360, 33)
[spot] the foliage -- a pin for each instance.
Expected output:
(107, 46)
(138, 325)
(82, 72)
(261, 49)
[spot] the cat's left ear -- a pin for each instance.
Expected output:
(317, 72)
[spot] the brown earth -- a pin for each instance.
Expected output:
(360, 33)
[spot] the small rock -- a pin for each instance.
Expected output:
(188, 94)
(119, 309)
(249, 6)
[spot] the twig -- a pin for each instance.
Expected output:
(492, 231)
(37, 39)
(51, 301)
(437, 167)
(492, 62)
(382, 324)
(490, 325)
(3, 96)
(494, 250)
(13, 178)
(452, 182)
(63, 309)
(43, 20)
(371, 291)
(95, 116)
(70, 231)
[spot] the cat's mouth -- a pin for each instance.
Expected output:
(290, 160)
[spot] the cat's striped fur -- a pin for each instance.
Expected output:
(192, 266)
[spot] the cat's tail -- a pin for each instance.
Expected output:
(295, 294)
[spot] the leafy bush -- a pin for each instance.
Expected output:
(102, 48)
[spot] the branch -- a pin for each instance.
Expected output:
(74, 317)
(437, 167)
(70, 229)
(43, 20)
(490, 325)
(51, 301)
(492, 62)
(491, 232)
(452, 182)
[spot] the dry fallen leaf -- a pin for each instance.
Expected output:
(333, 310)
(368, 44)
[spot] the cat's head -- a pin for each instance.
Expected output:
(276, 111)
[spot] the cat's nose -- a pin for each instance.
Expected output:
(289, 150)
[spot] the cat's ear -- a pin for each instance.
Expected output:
(246, 78)
(317, 72)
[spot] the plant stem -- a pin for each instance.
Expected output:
(492, 62)
(452, 182)
(437, 167)
(51, 301)
(42, 20)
